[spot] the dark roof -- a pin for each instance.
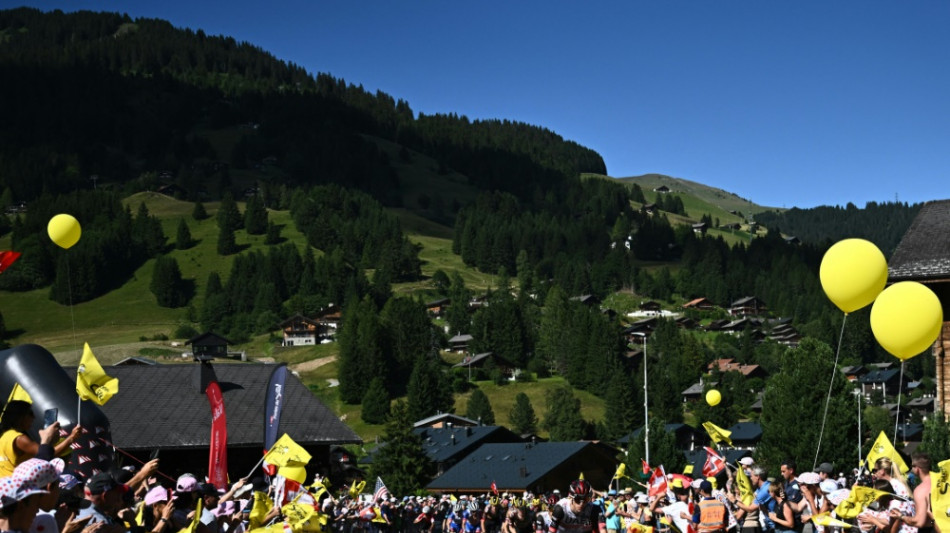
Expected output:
(439, 446)
(159, 406)
(476, 360)
(209, 338)
(923, 250)
(136, 361)
(746, 431)
(512, 466)
(297, 318)
(878, 376)
(675, 429)
(445, 417)
(746, 301)
(909, 432)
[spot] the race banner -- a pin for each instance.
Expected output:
(218, 454)
(273, 403)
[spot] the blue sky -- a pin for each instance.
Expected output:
(785, 103)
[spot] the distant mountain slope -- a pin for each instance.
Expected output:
(712, 195)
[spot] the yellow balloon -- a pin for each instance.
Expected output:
(853, 272)
(713, 397)
(295, 472)
(906, 319)
(64, 230)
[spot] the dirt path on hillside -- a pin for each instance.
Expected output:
(314, 364)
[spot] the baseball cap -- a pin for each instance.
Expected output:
(37, 472)
(825, 468)
(68, 482)
(611, 492)
(828, 486)
(14, 489)
(102, 482)
(207, 489)
(157, 494)
(808, 478)
(747, 461)
(186, 483)
(224, 508)
(705, 486)
(642, 498)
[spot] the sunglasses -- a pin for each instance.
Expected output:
(579, 499)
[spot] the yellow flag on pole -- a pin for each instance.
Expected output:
(92, 383)
(285, 451)
(717, 434)
(262, 506)
(825, 519)
(19, 393)
(882, 447)
(744, 485)
(859, 498)
(940, 495)
(621, 471)
(357, 488)
(193, 526)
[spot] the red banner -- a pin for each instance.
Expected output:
(218, 455)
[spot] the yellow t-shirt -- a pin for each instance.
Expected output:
(8, 455)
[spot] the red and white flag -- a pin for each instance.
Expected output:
(646, 466)
(494, 488)
(658, 484)
(381, 490)
(714, 463)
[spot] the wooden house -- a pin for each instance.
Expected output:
(748, 306)
(299, 330)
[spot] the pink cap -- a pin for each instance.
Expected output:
(157, 494)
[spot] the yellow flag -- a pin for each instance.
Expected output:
(140, 515)
(717, 434)
(621, 471)
(357, 488)
(296, 514)
(92, 383)
(882, 447)
(940, 495)
(825, 519)
(193, 526)
(688, 470)
(19, 393)
(582, 476)
(262, 505)
(859, 498)
(285, 451)
(744, 484)
(640, 528)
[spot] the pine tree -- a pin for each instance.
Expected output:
(522, 418)
(479, 408)
(199, 213)
(226, 243)
(183, 240)
(255, 216)
(228, 214)
(167, 284)
(401, 461)
(563, 419)
(429, 391)
(375, 405)
(457, 314)
(273, 234)
(936, 439)
(793, 430)
(621, 405)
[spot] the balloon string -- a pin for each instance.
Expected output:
(834, 370)
(69, 292)
(900, 386)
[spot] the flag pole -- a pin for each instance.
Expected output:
(255, 466)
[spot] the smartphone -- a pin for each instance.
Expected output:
(154, 453)
(50, 416)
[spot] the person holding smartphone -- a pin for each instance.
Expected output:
(16, 446)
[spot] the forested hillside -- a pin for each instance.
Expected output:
(128, 101)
